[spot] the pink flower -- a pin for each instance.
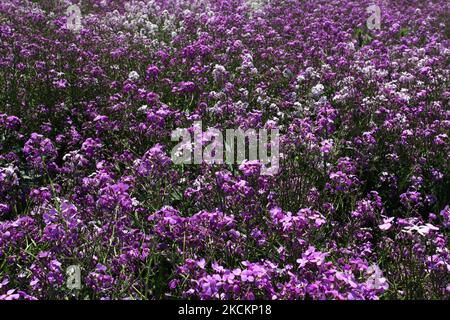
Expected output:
(387, 224)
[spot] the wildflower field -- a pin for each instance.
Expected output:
(93, 205)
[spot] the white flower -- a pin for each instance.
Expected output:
(317, 90)
(135, 202)
(376, 280)
(422, 230)
(133, 76)
(219, 72)
(143, 108)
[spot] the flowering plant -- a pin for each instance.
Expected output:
(91, 91)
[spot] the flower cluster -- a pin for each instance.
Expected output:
(360, 205)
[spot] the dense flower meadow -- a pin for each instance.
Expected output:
(358, 210)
